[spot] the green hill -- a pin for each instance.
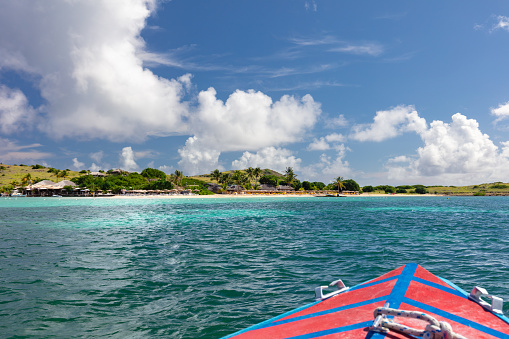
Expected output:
(13, 173)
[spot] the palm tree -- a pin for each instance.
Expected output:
(339, 180)
(240, 179)
(257, 173)
(216, 175)
(290, 176)
(178, 177)
(225, 180)
(250, 173)
(27, 179)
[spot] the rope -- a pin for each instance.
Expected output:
(434, 329)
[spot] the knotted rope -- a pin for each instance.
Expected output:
(434, 329)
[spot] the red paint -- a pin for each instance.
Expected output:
(349, 298)
(316, 324)
(431, 296)
(422, 273)
(453, 304)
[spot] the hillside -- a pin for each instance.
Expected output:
(10, 173)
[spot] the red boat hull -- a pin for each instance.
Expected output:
(350, 314)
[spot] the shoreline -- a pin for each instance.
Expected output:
(236, 196)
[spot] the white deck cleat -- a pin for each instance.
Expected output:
(496, 302)
(319, 290)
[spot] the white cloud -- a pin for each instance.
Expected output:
(399, 159)
(251, 120)
(10, 151)
(97, 156)
(319, 145)
(94, 167)
(197, 158)
(15, 112)
(389, 124)
(78, 165)
(454, 153)
(247, 121)
(127, 159)
(274, 158)
(166, 169)
(323, 143)
(501, 112)
(146, 154)
(329, 167)
(87, 57)
(311, 6)
(372, 49)
(339, 121)
(502, 23)
(335, 137)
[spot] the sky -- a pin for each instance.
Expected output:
(382, 92)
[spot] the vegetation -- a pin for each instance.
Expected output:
(270, 180)
(197, 186)
(368, 189)
(421, 190)
(290, 176)
(152, 173)
(12, 176)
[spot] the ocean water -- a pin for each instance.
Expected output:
(205, 268)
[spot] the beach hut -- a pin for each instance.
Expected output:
(285, 188)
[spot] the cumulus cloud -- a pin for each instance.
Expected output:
(196, 157)
(456, 152)
(77, 165)
(389, 124)
(323, 143)
(501, 112)
(274, 158)
(247, 121)
(89, 62)
(127, 159)
(87, 59)
(15, 112)
(11, 151)
(329, 166)
(319, 145)
(94, 167)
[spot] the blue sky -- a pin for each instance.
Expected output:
(384, 92)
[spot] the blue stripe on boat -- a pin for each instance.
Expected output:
(456, 318)
(332, 310)
(440, 287)
(363, 285)
(401, 286)
(333, 331)
(268, 321)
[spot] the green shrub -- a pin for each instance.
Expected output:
(421, 190)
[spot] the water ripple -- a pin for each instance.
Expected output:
(205, 268)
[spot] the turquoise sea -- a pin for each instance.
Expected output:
(204, 268)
